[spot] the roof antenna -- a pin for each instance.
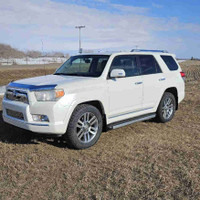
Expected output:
(43, 59)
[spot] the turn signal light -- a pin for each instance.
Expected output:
(59, 93)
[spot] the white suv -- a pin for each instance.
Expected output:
(95, 92)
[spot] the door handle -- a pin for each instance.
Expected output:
(162, 79)
(138, 83)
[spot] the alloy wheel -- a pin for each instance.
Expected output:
(87, 127)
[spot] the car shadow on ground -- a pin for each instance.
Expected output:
(14, 135)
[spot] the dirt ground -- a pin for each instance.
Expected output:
(146, 160)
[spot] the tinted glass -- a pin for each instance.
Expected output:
(80, 65)
(84, 65)
(170, 62)
(127, 63)
(148, 65)
(101, 64)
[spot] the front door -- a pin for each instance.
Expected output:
(125, 94)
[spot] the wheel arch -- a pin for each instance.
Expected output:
(98, 104)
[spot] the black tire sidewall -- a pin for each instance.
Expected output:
(159, 110)
(71, 135)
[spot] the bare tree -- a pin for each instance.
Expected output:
(6, 51)
(34, 54)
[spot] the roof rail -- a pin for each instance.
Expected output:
(146, 50)
(114, 51)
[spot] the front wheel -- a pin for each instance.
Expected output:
(85, 127)
(166, 108)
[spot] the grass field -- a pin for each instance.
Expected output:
(9, 73)
(146, 160)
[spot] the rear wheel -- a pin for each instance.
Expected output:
(85, 127)
(166, 108)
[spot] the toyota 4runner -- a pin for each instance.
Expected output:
(95, 92)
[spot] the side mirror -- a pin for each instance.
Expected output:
(117, 73)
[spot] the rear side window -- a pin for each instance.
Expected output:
(170, 62)
(148, 65)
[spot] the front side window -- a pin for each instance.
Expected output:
(148, 65)
(170, 62)
(126, 62)
(84, 65)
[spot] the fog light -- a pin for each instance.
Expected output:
(40, 118)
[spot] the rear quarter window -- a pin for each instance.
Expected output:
(170, 62)
(148, 65)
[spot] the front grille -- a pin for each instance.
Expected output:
(16, 95)
(15, 114)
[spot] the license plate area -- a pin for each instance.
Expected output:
(15, 114)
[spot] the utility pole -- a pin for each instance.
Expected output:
(80, 27)
(43, 58)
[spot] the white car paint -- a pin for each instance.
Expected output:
(121, 98)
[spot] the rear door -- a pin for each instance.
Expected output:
(153, 80)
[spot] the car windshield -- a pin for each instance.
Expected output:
(84, 65)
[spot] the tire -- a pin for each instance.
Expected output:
(84, 128)
(166, 111)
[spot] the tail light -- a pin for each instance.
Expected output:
(183, 75)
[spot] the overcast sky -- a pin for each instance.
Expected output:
(110, 24)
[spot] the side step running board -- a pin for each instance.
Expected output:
(131, 121)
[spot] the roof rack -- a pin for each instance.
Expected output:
(146, 50)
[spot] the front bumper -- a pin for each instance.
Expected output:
(36, 127)
(54, 111)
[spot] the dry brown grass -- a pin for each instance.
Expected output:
(192, 69)
(145, 160)
(10, 73)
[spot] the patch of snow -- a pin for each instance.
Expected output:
(32, 61)
(180, 61)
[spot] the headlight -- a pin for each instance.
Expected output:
(49, 95)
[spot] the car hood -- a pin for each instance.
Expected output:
(49, 80)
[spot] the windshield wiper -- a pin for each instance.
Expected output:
(71, 74)
(59, 74)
